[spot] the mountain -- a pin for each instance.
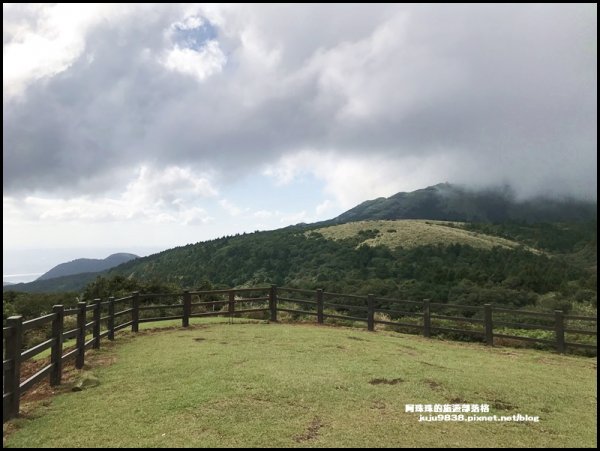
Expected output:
(5, 284)
(73, 282)
(87, 265)
(448, 202)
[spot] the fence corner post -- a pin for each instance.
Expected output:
(57, 347)
(320, 306)
(111, 318)
(187, 308)
(273, 303)
(426, 318)
(96, 329)
(371, 312)
(488, 324)
(12, 376)
(135, 311)
(559, 326)
(80, 357)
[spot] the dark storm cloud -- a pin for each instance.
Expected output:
(506, 92)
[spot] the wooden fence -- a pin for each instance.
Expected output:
(92, 318)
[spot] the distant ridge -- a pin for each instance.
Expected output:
(447, 202)
(87, 265)
(74, 282)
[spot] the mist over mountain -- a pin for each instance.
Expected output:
(448, 202)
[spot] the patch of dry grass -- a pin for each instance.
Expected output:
(410, 233)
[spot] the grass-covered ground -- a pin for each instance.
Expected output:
(279, 385)
(409, 233)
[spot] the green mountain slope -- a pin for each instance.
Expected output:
(509, 273)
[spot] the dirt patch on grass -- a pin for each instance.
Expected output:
(458, 400)
(385, 381)
(433, 365)
(30, 367)
(357, 338)
(434, 385)
(312, 431)
(199, 339)
(378, 405)
(502, 405)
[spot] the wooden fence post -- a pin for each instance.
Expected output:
(187, 308)
(560, 330)
(426, 318)
(273, 302)
(96, 327)
(135, 312)
(80, 357)
(111, 318)
(57, 347)
(371, 312)
(320, 306)
(12, 376)
(488, 324)
(231, 304)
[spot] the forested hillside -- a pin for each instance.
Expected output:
(450, 272)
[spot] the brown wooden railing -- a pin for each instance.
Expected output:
(100, 319)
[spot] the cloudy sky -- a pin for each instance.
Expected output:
(143, 127)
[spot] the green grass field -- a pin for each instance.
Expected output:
(409, 233)
(254, 384)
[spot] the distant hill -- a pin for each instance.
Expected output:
(5, 284)
(87, 265)
(74, 282)
(446, 202)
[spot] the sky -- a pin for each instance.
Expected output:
(142, 127)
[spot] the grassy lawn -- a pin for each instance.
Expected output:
(255, 384)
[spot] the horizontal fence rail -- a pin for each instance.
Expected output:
(100, 319)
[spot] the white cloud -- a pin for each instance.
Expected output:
(196, 216)
(403, 82)
(351, 179)
(324, 207)
(295, 218)
(201, 64)
(48, 43)
(230, 207)
(155, 196)
(264, 214)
